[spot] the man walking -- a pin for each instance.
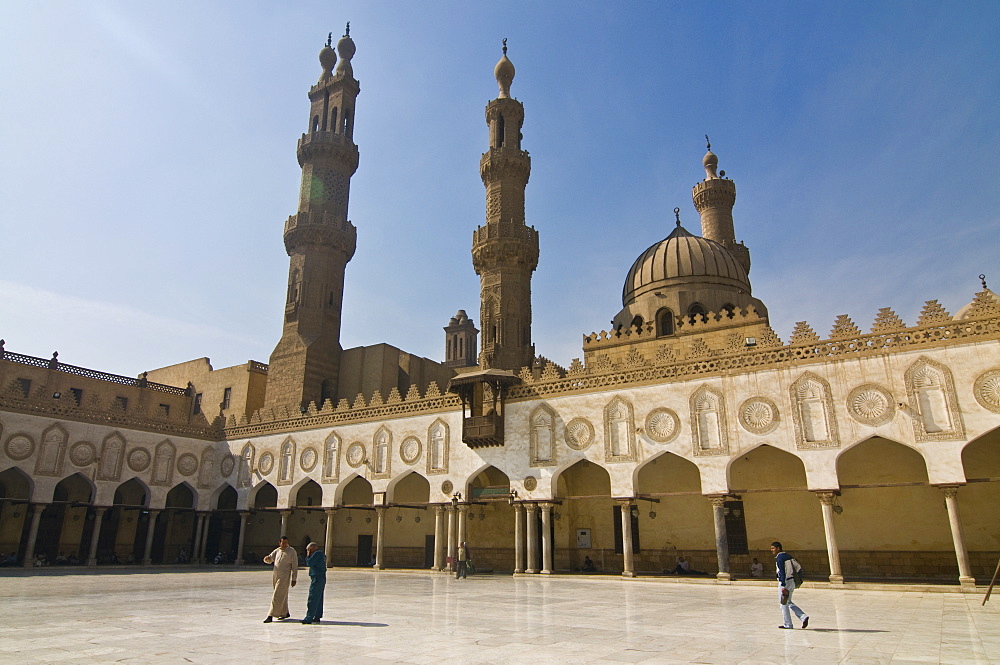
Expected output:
(786, 585)
(463, 561)
(316, 561)
(286, 572)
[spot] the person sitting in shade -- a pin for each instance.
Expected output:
(588, 565)
(683, 567)
(756, 568)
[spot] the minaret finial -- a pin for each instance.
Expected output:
(347, 31)
(504, 72)
(677, 214)
(329, 39)
(708, 144)
(982, 279)
(710, 161)
(505, 46)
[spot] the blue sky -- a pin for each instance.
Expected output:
(147, 162)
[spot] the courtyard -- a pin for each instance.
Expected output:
(169, 615)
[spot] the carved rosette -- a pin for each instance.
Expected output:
(410, 449)
(663, 425)
(265, 464)
(987, 390)
(138, 459)
(227, 466)
(308, 458)
(871, 404)
(579, 434)
(355, 454)
(187, 464)
(759, 415)
(447, 487)
(82, 453)
(530, 483)
(19, 447)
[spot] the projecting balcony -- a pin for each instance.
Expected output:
(482, 396)
(483, 431)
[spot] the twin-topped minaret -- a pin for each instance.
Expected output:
(319, 239)
(505, 250)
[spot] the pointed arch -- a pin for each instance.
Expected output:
(75, 488)
(813, 416)
(664, 322)
(542, 443)
(357, 491)
(930, 389)
(181, 495)
(112, 455)
(307, 493)
(263, 495)
(409, 487)
(225, 497)
(51, 451)
(581, 478)
(132, 492)
(16, 484)
(488, 482)
(666, 472)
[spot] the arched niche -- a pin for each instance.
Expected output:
(770, 501)
(410, 487)
(357, 492)
(585, 491)
(133, 492)
(978, 500)
(181, 495)
(680, 520)
(308, 494)
(226, 498)
(265, 495)
(15, 485)
(489, 482)
(76, 488)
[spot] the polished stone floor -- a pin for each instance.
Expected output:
(212, 616)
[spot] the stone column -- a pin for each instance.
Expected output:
(196, 549)
(147, 553)
(438, 538)
(95, 535)
(532, 563)
(450, 567)
(965, 577)
(29, 549)
(721, 537)
(244, 516)
(463, 523)
(379, 537)
(518, 538)
(546, 538)
(328, 540)
(627, 558)
(826, 500)
(204, 536)
(285, 514)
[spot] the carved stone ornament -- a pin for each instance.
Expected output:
(447, 487)
(663, 425)
(531, 483)
(138, 459)
(355, 454)
(930, 390)
(987, 390)
(813, 416)
(265, 463)
(871, 404)
(19, 447)
(579, 434)
(758, 415)
(227, 466)
(82, 453)
(619, 431)
(410, 449)
(187, 464)
(308, 458)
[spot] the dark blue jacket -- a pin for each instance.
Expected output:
(781, 563)
(317, 564)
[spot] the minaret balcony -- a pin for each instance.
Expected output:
(328, 145)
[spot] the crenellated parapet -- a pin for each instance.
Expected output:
(334, 147)
(308, 229)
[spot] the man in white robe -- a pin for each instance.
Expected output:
(286, 572)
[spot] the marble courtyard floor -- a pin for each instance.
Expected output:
(174, 616)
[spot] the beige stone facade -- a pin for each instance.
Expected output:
(689, 428)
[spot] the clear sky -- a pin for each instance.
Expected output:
(147, 162)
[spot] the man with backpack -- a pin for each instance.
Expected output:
(787, 568)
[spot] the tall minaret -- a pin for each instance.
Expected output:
(714, 198)
(505, 250)
(319, 240)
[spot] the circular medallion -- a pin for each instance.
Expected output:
(579, 434)
(530, 483)
(759, 415)
(82, 453)
(138, 459)
(355, 454)
(447, 487)
(662, 425)
(227, 465)
(308, 459)
(987, 390)
(187, 464)
(265, 463)
(409, 450)
(19, 447)
(870, 404)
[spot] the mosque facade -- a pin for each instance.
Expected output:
(687, 429)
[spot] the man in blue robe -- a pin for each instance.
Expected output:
(316, 561)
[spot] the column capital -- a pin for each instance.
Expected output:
(100, 510)
(718, 501)
(827, 497)
(286, 513)
(463, 507)
(330, 511)
(380, 510)
(950, 491)
(38, 507)
(625, 501)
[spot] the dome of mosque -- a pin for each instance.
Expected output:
(683, 258)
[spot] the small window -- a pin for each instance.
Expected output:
(227, 395)
(25, 385)
(196, 409)
(501, 129)
(164, 410)
(121, 403)
(637, 322)
(664, 322)
(315, 125)
(77, 395)
(697, 313)
(730, 310)
(333, 118)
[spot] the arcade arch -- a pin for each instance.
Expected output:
(978, 500)
(583, 491)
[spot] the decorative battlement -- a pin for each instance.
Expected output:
(505, 163)
(54, 364)
(328, 144)
(714, 192)
(257, 366)
(320, 228)
(504, 230)
(682, 325)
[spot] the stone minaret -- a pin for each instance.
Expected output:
(319, 240)
(460, 337)
(714, 198)
(505, 250)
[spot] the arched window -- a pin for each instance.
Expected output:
(696, 313)
(638, 321)
(730, 310)
(333, 119)
(501, 128)
(664, 322)
(315, 124)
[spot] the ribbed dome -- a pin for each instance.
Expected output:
(682, 257)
